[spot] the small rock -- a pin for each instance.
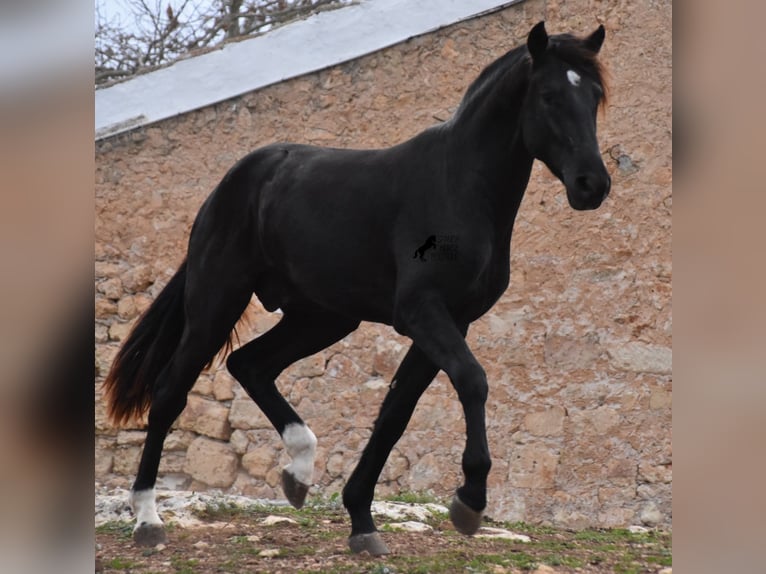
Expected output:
(402, 510)
(272, 520)
(410, 526)
(544, 569)
(269, 552)
(489, 532)
(666, 571)
(625, 164)
(635, 529)
(201, 544)
(375, 384)
(160, 547)
(651, 515)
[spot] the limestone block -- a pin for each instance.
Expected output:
(205, 417)
(533, 466)
(178, 440)
(259, 461)
(211, 462)
(239, 441)
(642, 358)
(660, 399)
(312, 366)
(105, 308)
(119, 331)
(223, 385)
(549, 422)
(126, 308)
(396, 466)
(388, 356)
(570, 352)
(131, 437)
(137, 278)
(172, 462)
(126, 460)
(111, 288)
(425, 473)
(245, 414)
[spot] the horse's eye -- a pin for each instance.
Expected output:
(598, 91)
(548, 98)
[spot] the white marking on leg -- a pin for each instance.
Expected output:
(301, 444)
(573, 77)
(143, 506)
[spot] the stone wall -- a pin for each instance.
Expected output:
(577, 352)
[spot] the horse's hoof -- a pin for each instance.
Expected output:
(294, 490)
(465, 518)
(371, 542)
(149, 535)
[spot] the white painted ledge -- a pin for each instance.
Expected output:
(323, 40)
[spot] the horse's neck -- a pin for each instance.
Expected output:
(489, 158)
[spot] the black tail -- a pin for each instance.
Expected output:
(145, 353)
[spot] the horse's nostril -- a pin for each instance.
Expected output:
(583, 182)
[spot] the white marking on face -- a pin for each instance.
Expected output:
(301, 444)
(573, 77)
(143, 506)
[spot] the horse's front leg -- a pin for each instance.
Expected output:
(412, 378)
(428, 322)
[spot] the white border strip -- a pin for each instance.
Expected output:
(323, 40)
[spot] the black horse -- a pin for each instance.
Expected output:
(327, 235)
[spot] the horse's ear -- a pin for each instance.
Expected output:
(594, 41)
(537, 41)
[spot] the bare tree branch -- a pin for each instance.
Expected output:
(166, 30)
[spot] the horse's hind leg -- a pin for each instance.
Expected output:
(210, 316)
(412, 378)
(300, 333)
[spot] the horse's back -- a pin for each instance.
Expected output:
(316, 224)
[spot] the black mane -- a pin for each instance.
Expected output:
(565, 47)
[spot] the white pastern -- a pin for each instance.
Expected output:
(573, 77)
(301, 444)
(142, 503)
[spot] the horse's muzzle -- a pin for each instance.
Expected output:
(588, 190)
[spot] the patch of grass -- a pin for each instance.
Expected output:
(305, 550)
(613, 536)
(123, 530)
(219, 511)
(422, 497)
(524, 528)
(448, 562)
(664, 559)
(184, 565)
(119, 563)
(563, 560)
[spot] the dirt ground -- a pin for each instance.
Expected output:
(314, 540)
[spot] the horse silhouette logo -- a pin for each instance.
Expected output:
(421, 251)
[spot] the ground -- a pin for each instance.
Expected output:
(229, 538)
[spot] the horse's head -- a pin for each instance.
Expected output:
(559, 127)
